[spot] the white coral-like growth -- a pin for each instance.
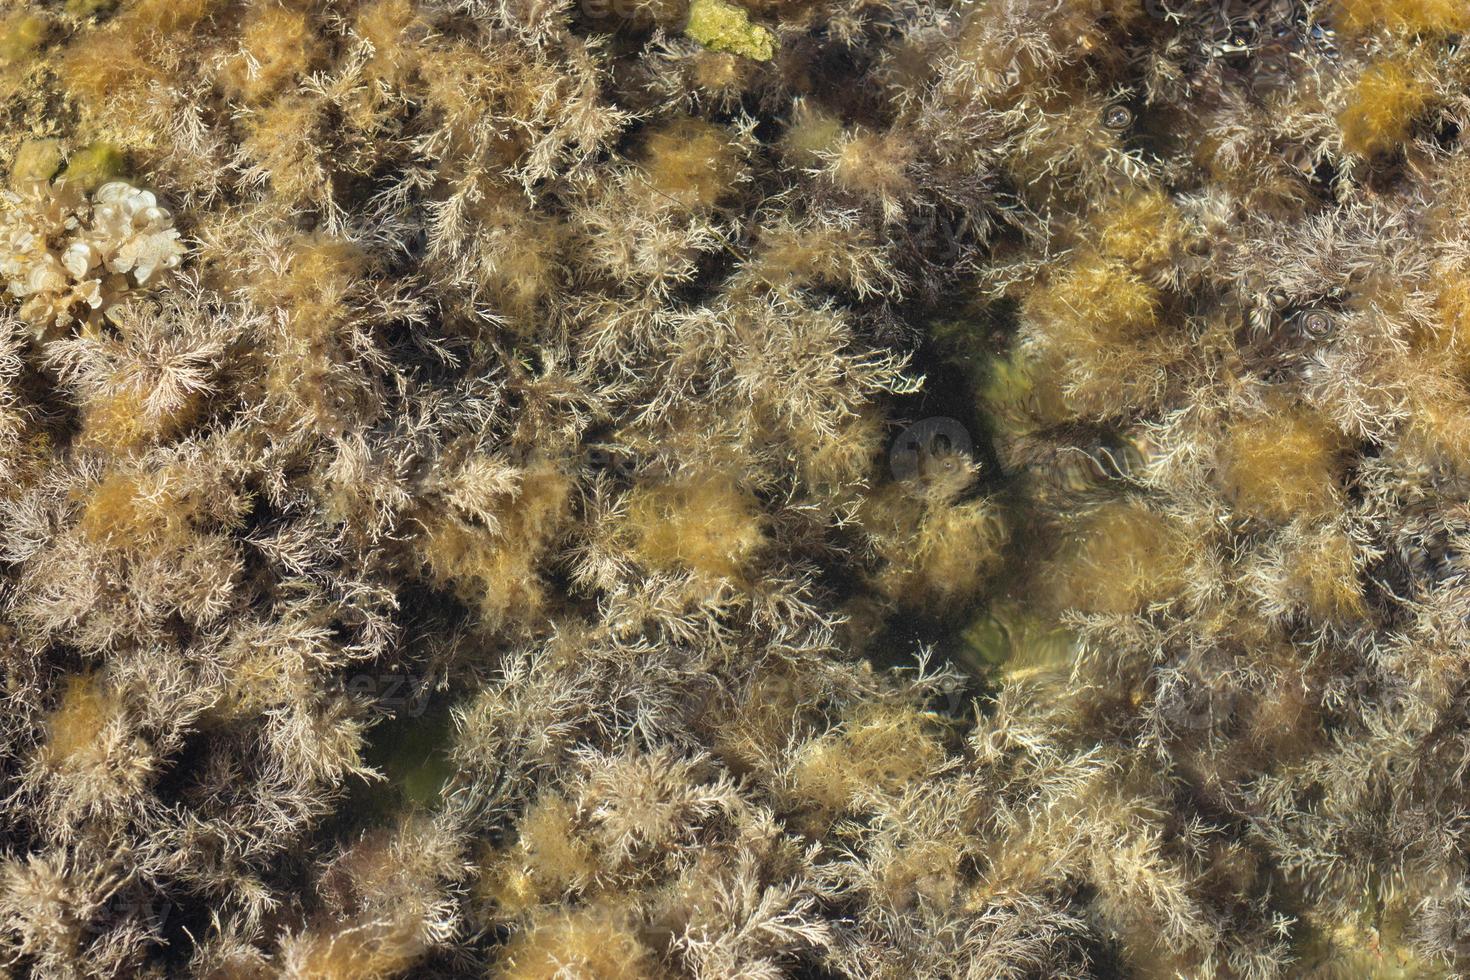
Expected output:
(68, 258)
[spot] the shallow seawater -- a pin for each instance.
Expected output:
(559, 362)
(412, 753)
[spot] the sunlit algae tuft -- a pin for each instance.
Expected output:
(714, 489)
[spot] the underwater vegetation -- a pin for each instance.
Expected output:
(611, 489)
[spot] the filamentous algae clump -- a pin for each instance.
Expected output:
(734, 489)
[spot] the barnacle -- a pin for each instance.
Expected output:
(71, 258)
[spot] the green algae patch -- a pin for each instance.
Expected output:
(1014, 641)
(93, 166)
(36, 160)
(21, 36)
(412, 754)
(722, 26)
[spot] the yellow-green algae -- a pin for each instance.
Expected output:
(247, 480)
(37, 159)
(21, 35)
(95, 165)
(722, 26)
